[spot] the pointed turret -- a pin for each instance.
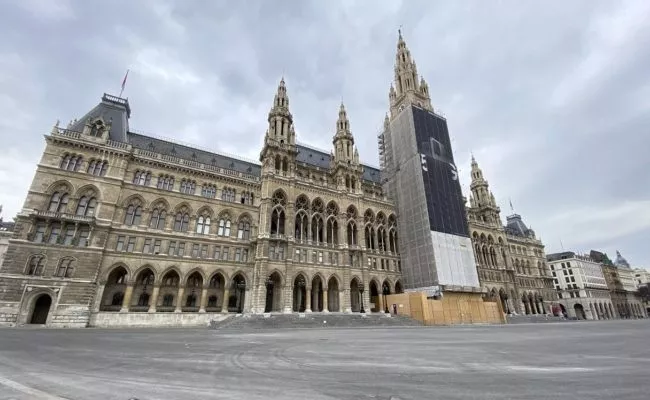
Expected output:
(343, 140)
(344, 166)
(408, 89)
(280, 139)
(483, 203)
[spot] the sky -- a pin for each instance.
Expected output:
(552, 98)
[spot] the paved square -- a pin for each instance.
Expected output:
(580, 360)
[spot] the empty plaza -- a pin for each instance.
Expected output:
(574, 360)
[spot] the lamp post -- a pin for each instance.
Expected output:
(362, 311)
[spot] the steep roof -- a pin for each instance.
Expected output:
(193, 154)
(116, 111)
(321, 159)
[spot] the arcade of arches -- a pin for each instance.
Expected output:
(170, 291)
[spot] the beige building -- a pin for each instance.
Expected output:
(581, 286)
(510, 259)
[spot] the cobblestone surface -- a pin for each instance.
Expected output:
(581, 360)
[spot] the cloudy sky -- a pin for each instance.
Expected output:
(553, 98)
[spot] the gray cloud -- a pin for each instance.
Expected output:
(551, 98)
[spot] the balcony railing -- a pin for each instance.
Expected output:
(64, 216)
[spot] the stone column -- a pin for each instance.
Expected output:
(224, 302)
(308, 306)
(204, 299)
(380, 299)
(154, 299)
(98, 297)
(341, 300)
(288, 299)
(325, 305)
(248, 299)
(179, 299)
(126, 301)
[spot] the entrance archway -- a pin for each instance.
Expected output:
(564, 313)
(333, 295)
(398, 287)
(580, 311)
(355, 296)
(237, 294)
(317, 294)
(41, 309)
(273, 293)
(299, 294)
(113, 295)
(374, 297)
(504, 301)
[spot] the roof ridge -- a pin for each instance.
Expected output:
(193, 146)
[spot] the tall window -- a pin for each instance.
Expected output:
(158, 217)
(203, 225)
(36, 265)
(71, 162)
(209, 191)
(58, 202)
(224, 227)
(55, 233)
(39, 232)
(182, 221)
(187, 186)
(244, 230)
(68, 234)
(133, 215)
(166, 182)
(84, 234)
(228, 194)
(97, 167)
(142, 178)
(86, 206)
(65, 268)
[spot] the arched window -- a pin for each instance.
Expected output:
(133, 215)
(97, 167)
(182, 221)
(65, 268)
(188, 186)
(203, 225)
(117, 299)
(370, 237)
(71, 162)
(158, 217)
(209, 191)
(244, 230)
(301, 226)
(277, 213)
(142, 178)
(165, 182)
(352, 233)
(332, 231)
(58, 202)
(392, 239)
(86, 206)
(381, 238)
(317, 229)
(191, 300)
(228, 194)
(224, 227)
(36, 265)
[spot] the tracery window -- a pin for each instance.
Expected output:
(36, 265)
(142, 178)
(97, 167)
(58, 202)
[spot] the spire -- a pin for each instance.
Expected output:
(621, 261)
(343, 140)
(280, 131)
(409, 89)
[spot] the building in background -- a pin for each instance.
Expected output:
(511, 261)
(581, 286)
(632, 306)
(641, 276)
(420, 176)
(6, 231)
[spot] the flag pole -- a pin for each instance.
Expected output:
(124, 83)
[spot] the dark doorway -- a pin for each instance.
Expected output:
(41, 309)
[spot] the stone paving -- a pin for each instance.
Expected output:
(578, 360)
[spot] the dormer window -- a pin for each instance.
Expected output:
(97, 129)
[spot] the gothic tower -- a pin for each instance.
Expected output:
(407, 90)
(344, 161)
(279, 152)
(482, 202)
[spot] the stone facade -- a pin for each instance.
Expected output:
(510, 259)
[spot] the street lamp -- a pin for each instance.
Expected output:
(362, 311)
